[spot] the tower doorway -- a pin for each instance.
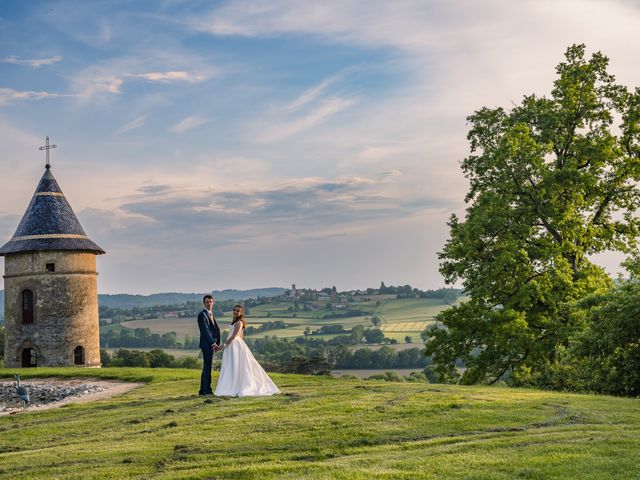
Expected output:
(29, 358)
(78, 356)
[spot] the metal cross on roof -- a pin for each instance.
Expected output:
(46, 148)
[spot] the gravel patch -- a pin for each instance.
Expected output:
(54, 392)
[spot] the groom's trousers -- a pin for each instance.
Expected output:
(205, 378)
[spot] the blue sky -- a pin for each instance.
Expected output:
(239, 144)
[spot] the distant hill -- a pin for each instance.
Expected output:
(124, 300)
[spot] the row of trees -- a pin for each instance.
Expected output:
(313, 364)
(552, 182)
(384, 357)
(292, 356)
(138, 338)
(154, 359)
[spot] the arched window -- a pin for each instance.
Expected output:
(78, 355)
(27, 306)
(29, 358)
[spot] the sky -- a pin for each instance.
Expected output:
(208, 145)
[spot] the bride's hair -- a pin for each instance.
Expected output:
(239, 317)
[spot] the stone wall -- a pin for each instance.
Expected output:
(65, 307)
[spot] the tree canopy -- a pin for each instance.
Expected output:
(552, 182)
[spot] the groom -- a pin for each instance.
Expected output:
(209, 341)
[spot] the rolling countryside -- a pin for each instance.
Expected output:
(398, 318)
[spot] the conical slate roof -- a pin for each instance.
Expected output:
(49, 223)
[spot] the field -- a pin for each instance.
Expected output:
(322, 428)
(400, 318)
(408, 317)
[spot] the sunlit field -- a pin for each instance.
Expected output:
(321, 428)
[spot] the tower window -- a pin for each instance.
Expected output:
(51, 267)
(27, 306)
(78, 355)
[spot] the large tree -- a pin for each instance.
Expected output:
(552, 182)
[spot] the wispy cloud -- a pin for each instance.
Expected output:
(93, 84)
(132, 125)
(90, 86)
(321, 113)
(312, 93)
(364, 22)
(9, 95)
(34, 63)
(108, 78)
(172, 76)
(189, 123)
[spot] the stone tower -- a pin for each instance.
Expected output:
(50, 286)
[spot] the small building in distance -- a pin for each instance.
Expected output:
(50, 286)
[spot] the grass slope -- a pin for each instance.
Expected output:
(322, 428)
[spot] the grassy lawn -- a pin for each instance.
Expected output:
(322, 428)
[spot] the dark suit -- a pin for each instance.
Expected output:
(209, 335)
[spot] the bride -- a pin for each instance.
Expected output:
(240, 373)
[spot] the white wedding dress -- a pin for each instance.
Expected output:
(240, 373)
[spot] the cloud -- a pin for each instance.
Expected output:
(166, 77)
(312, 93)
(34, 63)
(9, 95)
(90, 86)
(163, 216)
(107, 78)
(363, 22)
(327, 108)
(132, 125)
(189, 123)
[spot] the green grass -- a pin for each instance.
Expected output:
(322, 428)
